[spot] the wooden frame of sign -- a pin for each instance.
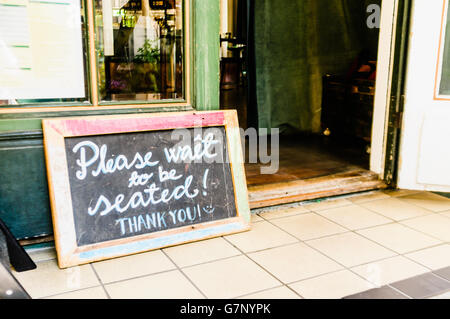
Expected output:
(95, 163)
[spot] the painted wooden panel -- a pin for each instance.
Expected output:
(206, 54)
(24, 204)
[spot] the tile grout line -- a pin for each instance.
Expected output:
(367, 193)
(139, 277)
(424, 192)
(184, 274)
(225, 258)
(283, 284)
(267, 289)
(243, 253)
(321, 237)
(284, 217)
(392, 197)
(293, 290)
(431, 271)
(348, 230)
(361, 229)
(399, 291)
(428, 273)
(261, 249)
(175, 265)
(317, 212)
(400, 221)
(210, 261)
(263, 268)
(397, 253)
(405, 255)
(60, 293)
(336, 234)
(400, 198)
(345, 267)
(315, 276)
(264, 249)
(339, 263)
(393, 222)
(256, 292)
(100, 280)
(390, 285)
(371, 211)
(325, 274)
(68, 292)
(439, 276)
(380, 214)
(419, 231)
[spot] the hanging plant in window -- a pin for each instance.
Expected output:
(146, 69)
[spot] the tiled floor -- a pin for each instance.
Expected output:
(365, 245)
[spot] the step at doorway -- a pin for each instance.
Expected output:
(311, 167)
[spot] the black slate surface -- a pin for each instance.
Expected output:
(198, 191)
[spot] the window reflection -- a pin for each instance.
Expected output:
(43, 55)
(140, 49)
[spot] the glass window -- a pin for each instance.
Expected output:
(139, 45)
(42, 52)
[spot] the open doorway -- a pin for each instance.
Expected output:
(307, 68)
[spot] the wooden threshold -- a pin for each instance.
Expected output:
(351, 181)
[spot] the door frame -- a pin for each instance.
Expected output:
(389, 90)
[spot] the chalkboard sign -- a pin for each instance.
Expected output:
(128, 184)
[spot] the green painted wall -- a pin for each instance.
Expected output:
(206, 25)
(24, 204)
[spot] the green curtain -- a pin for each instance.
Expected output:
(296, 43)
